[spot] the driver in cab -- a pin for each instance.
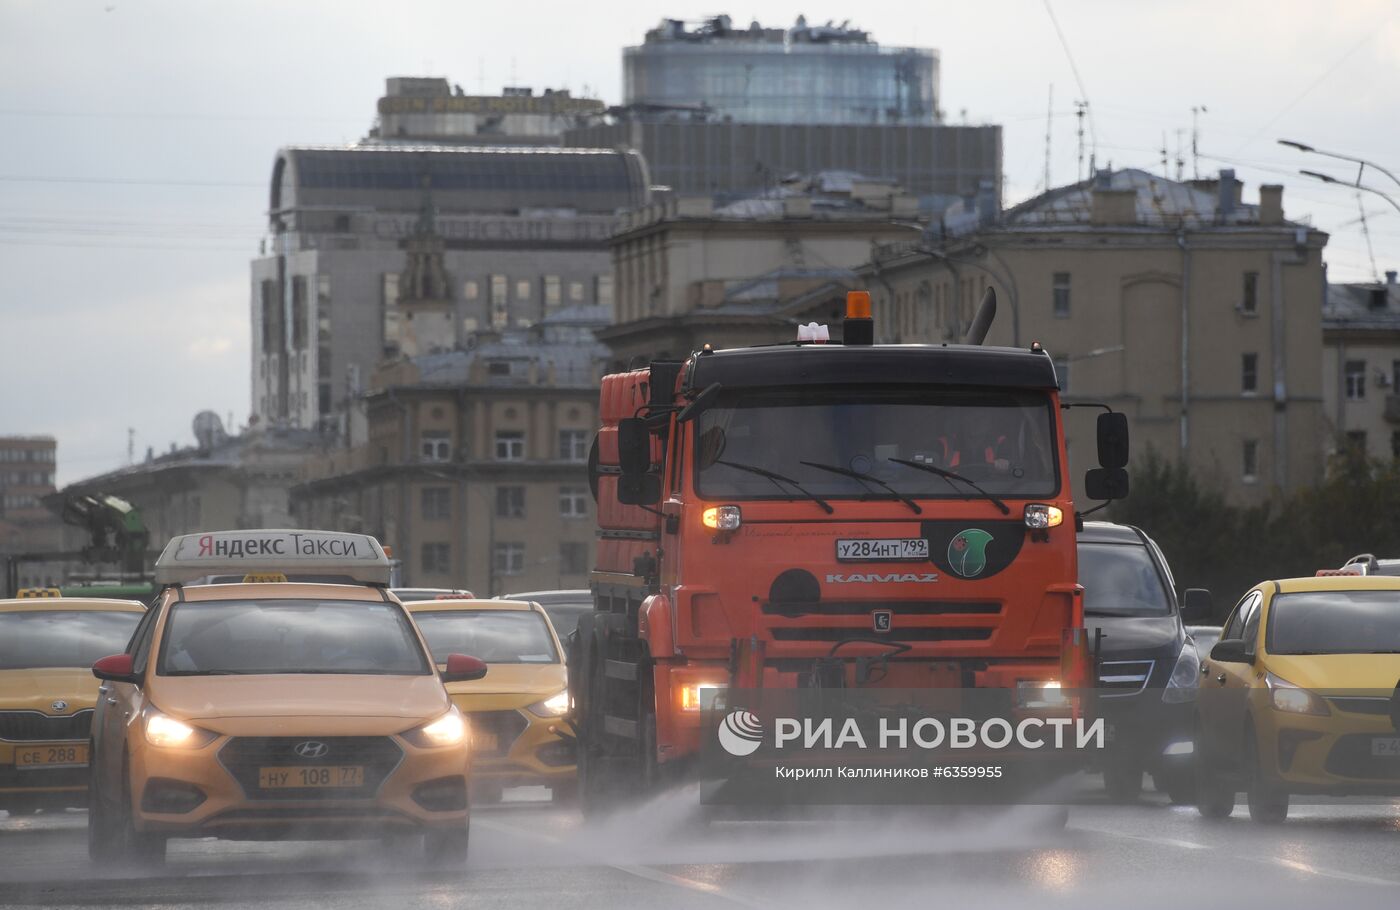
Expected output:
(977, 437)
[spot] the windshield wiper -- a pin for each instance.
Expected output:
(775, 477)
(950, 477)
(863, 478)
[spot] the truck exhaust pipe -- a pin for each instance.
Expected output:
(977, 332)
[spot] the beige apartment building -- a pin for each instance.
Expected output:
(688, 272)
(1361, 367)
(1196, 314)
(473, 466)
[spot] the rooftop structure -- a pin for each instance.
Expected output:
(430, 109)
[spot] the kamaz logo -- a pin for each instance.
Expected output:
(873, 579)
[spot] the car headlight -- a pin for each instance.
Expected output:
(555, 706)
(448, 730)
(168, 733)
(1293, 699)
(1040, 693)
(1185, 682)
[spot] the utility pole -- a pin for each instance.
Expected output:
(131, 445)
(1196, 113)
(1080, 109)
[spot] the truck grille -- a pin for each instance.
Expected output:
(843, 633)
(243, 756)
(505, 726)
(24, 726)
(1124, 677)
(897, 607)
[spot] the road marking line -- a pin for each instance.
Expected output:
(643, 872)
(1292, 865)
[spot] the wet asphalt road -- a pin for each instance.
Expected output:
(530, 854)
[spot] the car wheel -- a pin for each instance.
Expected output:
(103, 832)
(447, 848)
(19, 810)
(142, 846)
(1268, 804)
(1123, 781)
(1181, 789)
(1215, 797)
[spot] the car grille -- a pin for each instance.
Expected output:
(1361, 704)
(506, 726)
(1124, 677)
(243, 756)
(1351, 757)
(25, 726)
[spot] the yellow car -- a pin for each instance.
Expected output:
(1300, 696)
(519, 736)
(269, 707)
(47, 693)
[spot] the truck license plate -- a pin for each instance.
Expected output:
(890, 548)
(50, 755)
(1385, 747)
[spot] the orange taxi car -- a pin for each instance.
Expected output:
(47, 693)
(276, 708)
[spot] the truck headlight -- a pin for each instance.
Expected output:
(1040, 517)
(1040, 693)
(168, 733)
(1293, 699)
(722, 518)
(448, 730)
(555, 706)
(697, 696)
(1185, 682)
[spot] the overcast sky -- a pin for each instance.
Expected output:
(139, 137)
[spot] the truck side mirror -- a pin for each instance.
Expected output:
(638, 489)
(1195, 605)
(1106, 483)
(633, 446)
(1113, 441)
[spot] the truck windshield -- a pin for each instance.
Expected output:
(1002, 440)
(1335, 622)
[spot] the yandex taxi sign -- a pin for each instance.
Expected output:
(193, 556)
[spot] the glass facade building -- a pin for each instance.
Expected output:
(803, 75)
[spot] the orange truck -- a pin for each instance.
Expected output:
(825, 514)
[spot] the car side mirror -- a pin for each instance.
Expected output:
(1230, 651)
(633, 446)
(1106, 483)
(1113, 439)
(463, 668)
(117, 668)
(1195, 605)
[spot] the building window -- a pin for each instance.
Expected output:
(437, 558)
(1395, 443)
(1250, 302)
(435, 445)
(510, 445)
(573, 558)
(603, 290)
(1062, 373)
(508, 559)
(573, 502)
(1250, 461)
(1249, 373)
(498, 368)
(269, 316)
(1356, 441)
(510, 502)
(573, 445)
(471, 289)
(500, 306)
(551, 291)
(524, 288)
(1355, 380)
(437, 503)
(575, 291)
(1061, 292)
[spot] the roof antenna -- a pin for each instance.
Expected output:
(977, 332)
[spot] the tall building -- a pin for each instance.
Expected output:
(717, 110)
(27, 466)
(1361, 366)
(825, 74)
(1196, 314)
(519, 233)
(419, 109)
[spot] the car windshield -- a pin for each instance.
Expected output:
(495, 636)
(1334, 622)
(1003, 441)
(62, 638)
(1120, 580)
(565, 616)
(208, 638)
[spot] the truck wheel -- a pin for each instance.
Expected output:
(1268, 804)
(1123, 781)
